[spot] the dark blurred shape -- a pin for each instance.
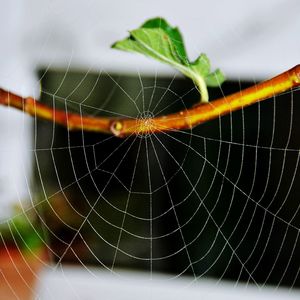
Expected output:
(219, 200)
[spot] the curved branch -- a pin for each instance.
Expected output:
(176, 121)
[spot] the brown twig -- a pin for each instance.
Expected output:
(177, 121)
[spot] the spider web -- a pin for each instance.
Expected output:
(218, 201)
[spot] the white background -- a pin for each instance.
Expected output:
(246, 39)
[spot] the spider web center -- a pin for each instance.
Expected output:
(145, 124)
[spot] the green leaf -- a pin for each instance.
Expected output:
(201, 65)
(151, 42)
(173, 33)
(23, 232)
(215, 79)
(157, 39)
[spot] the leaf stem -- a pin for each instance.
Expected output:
(178, 121)
(201, 84)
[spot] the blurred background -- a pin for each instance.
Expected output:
(243, 167)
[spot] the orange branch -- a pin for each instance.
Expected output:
(72, 121)
(177, 121)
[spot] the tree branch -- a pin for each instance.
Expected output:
(176, 121)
